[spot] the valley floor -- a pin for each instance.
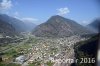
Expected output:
(36, 51)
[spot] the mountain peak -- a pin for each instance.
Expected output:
(56, 16)
(57, 19)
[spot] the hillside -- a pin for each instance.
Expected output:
(6, 29)
(95, 25)
(58, 26)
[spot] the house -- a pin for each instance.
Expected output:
(51, 59)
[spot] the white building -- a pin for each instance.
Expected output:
(20, 59)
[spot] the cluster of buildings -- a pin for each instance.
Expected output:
(55, 49)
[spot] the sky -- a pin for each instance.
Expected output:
(39, 11)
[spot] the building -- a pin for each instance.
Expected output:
(21, 59)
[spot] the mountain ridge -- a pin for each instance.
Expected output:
(19, 25)
(58, 26)
(95, 25)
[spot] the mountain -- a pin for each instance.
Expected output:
(58, 26)
(95, 25)
(19, 25)
(6, 29)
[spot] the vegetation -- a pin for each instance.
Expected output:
(35, 63)
(10, 64)
(49, 63)
(38, 63)
(87, 49)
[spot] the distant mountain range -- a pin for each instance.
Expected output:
(58, 26)
(29, 26)
(19, 25)
(95, 25)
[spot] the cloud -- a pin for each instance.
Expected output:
(5, 5)
(32, 20)
(85, 22)
(63, 11)
(29, 19)
(25, 19)
(16, 15)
